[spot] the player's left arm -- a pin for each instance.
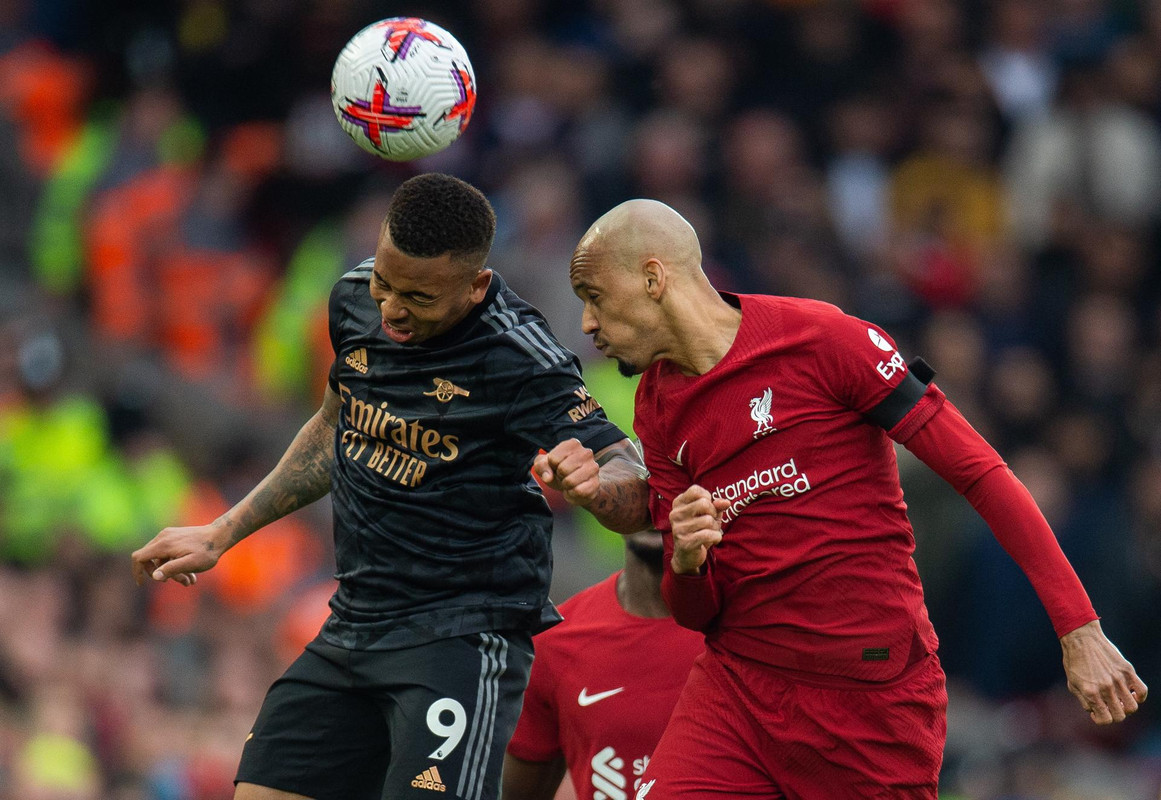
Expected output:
(610, 483)
(865, 371)
(1104, 682)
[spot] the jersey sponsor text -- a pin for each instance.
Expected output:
(783, 480)
(587, 405)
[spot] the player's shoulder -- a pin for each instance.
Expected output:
(805, 322)
(353, 282)
(360, 274)
(351, 309)
(522, 331)
(796, 310)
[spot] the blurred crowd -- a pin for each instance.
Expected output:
(980, 177)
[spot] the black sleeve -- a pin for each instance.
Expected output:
(334, 315)
(554, 405)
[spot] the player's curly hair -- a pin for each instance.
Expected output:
(433, 214)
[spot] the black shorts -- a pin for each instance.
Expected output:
(424, 722)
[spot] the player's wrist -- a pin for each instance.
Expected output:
(224, 533)
(690, 567)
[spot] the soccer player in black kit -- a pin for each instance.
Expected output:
(444, 387)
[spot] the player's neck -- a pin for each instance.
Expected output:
(639, 589)
(705, 327)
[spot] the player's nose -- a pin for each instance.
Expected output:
(589, 324)
(391, 309)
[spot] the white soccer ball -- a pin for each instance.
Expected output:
(403, 88)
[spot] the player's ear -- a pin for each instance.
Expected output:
(653, 271)
(480, 285)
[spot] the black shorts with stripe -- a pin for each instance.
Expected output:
(421, 722)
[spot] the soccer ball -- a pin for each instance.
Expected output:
(403, 88)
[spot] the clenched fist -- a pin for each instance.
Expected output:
(696, 521)
(571, 469)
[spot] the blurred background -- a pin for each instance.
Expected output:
(981, 177)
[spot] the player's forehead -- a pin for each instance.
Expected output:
(406, 273)
(587, 270)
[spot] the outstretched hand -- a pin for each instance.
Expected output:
(696, 521)
(1106, 685)
(178, 554)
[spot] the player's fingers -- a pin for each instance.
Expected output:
(175, 567)
(708, 538)
(691, 494)
(580, 493)
(1126, 698)
(721, 503)
(1109, 696)
(698, 507)
(138, 570)
(1092, 704)
(701, 537)
(1138, 688)
(542, 468)
(687, 526)
(577, 469)
(562, 451)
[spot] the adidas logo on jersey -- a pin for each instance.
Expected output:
(357, 360)
(429, 779)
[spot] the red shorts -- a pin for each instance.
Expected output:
(741, 730)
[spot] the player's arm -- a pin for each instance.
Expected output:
(531, 780)
(1105, 683)
(695, 522)
(609, 483)
(302, 476)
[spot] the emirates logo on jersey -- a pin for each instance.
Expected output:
(760, 413)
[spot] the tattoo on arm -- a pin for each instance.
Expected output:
(302, 476)
(622, 504)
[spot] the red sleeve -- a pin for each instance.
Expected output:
(537, 736)
(948, 444)
(692, 599)
(858, 363)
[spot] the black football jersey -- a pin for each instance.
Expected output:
(440, 529)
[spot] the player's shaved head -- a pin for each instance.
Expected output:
(638, 272)
(637, 230)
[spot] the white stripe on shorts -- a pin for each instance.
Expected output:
(493, 663)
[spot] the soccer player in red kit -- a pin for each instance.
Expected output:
(603, 684)
(768, 426)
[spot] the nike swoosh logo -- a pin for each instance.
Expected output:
(677, 459)
(586, 699)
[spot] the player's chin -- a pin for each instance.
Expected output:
(627, 368)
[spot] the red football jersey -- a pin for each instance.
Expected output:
(603, 685)
(814, 571)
